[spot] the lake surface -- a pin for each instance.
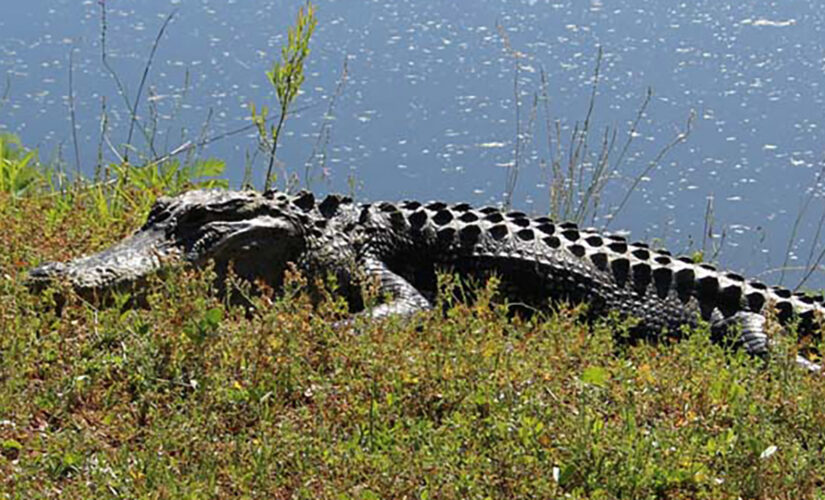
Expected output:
(428, 107)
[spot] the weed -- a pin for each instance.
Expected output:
(19, 171)
(286, 77)
(195, 396)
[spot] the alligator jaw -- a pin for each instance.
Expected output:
(121, 268)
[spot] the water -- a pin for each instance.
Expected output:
(428, 108)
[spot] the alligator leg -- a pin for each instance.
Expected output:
(404, 299)
(751, 329)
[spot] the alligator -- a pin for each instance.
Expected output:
(402, 246)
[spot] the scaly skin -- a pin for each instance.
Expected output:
(402, 245)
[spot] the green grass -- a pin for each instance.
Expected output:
(195, 398)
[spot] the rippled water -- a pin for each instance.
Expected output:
(427, 110)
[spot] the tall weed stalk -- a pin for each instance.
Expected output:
(286, 77)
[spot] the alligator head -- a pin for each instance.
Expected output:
(254, 233)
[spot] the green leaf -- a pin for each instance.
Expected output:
(595, 375)
(370, 495)
(11, 444)
(214, 316)
(209, 167)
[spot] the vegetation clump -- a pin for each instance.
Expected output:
(194, 397)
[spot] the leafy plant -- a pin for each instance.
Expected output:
(286, 76)
(172, 177)
(197, 393)
(18, 166)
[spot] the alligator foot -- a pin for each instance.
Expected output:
(404, 299)
(749, 326)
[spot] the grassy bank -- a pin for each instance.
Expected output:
(194, 398)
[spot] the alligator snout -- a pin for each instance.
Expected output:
(45, 275)
(122, 268)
